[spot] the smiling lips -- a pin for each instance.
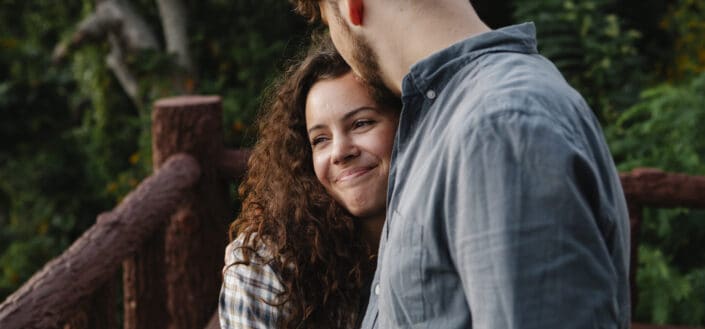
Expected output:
(352, 173)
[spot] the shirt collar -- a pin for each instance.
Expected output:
(434, 71)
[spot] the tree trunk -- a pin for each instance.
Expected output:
(175, 24)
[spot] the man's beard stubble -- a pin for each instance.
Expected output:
(367, 65)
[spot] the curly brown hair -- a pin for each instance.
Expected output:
(309, 9)
(314, 244)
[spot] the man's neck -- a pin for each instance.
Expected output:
(420, 33)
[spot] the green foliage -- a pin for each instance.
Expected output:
(241, 49)
(664, 131)
(671, 294)
(685, 21)
(72, 143)
(42, 198)
(589, 44)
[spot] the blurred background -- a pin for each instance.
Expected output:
(77, 80)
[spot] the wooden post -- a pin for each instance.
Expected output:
(635, 214)
(193, 241)
(144, 288)
(98, 311)
(214, 322)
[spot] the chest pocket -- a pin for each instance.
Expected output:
(401, 300)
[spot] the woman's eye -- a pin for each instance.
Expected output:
(362, 123)
(318, 140)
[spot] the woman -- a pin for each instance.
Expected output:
(313, 202)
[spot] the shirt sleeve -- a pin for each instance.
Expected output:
(248, 296)
(529, 234)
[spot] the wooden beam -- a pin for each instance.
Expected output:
(52, 294)
(233, 163)
(655, 188)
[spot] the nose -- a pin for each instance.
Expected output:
(344, 150)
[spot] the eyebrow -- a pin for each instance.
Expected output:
(345, 117)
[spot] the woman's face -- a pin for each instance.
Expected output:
(351, 138)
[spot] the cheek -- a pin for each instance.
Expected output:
(385, 143)
(320, 168)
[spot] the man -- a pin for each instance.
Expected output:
(504, 205)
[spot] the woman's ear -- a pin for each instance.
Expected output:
(356, 11)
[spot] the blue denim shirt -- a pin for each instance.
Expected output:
(505, 209)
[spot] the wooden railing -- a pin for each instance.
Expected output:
(52, 294)
(653, 188)
(169, 235)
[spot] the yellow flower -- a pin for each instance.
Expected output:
(8, 43)
(134, 158)
(42, 228)
(238, 126)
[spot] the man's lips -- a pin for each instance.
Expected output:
(352, 173)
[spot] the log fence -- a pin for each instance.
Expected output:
(167, 236)
(647, 187)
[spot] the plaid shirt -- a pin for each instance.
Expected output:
(247, 292)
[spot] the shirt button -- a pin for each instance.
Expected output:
(431, 94)
(377, 289)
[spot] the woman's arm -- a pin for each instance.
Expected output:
(248, 297)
